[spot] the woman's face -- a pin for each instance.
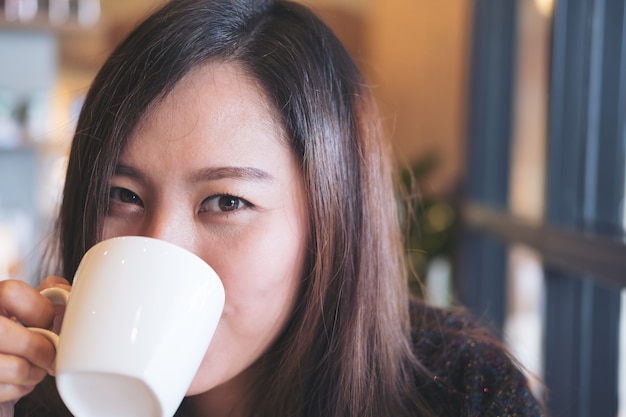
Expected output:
(209, 170)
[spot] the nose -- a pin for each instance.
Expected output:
(171, 225)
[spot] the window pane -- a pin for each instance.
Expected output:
(523, 327)
(524, 323)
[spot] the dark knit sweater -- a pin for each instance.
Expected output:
(471, 372)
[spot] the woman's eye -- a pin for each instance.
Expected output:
(125, 196)
(223, 203)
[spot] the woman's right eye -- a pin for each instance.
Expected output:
(123, 195)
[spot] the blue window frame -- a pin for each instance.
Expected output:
(581, 238)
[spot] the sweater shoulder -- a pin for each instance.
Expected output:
(469, 371)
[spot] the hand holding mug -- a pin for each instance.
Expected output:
(138, 322)
(25, 357)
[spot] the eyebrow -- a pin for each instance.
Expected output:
(239, 173)
(207, 174)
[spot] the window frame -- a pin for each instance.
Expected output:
(581, 241)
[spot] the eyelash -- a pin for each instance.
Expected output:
(120, 194)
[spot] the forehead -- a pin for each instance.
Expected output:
(217, 114)
(221, 93)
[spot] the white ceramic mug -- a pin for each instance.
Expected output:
(139, 319)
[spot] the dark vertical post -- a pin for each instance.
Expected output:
(481, 281)
(585, 190)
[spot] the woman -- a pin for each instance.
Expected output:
(243, 131)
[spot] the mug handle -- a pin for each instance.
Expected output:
(58, 296)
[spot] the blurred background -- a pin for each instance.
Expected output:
(508, 117)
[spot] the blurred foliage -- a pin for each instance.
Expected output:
(431, 222)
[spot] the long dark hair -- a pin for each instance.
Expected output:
(346, 351)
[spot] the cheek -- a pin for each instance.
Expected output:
(264, 265)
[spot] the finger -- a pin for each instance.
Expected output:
(54, 281)
(19, 300)
(12, 393)
(15, 370)
(19, 342)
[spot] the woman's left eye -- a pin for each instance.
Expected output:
(223, 203)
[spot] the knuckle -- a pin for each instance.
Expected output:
(9, 287)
